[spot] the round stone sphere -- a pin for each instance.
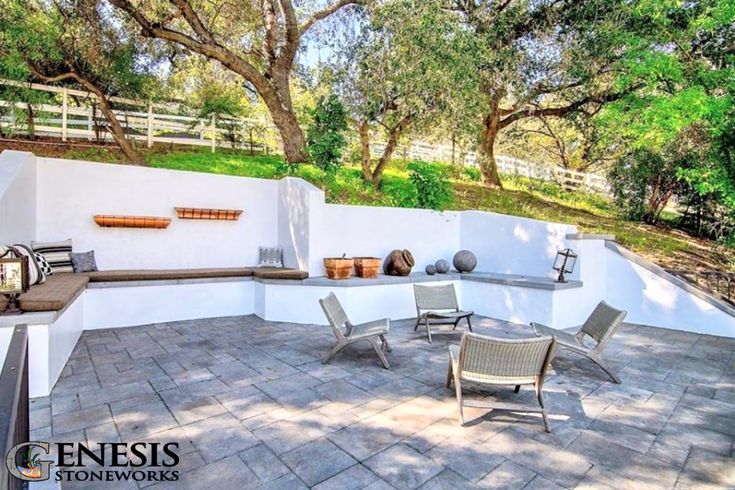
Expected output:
(465, 261)
(430, 269)
(442, 266)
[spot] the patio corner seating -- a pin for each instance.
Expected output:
(368, 332)
(494, 361)
(438, 303)
(601, 326)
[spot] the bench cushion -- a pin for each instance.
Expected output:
(55, 294)
(279, 273)
(161, 274)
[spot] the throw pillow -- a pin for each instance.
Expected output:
(35, 274)
(270, 257)
(56, 254)
(83, 261)
(44, 265)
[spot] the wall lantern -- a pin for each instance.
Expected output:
(564, 263)
(13, 281)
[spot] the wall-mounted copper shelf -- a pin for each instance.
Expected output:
(206, 213)
(131, 221)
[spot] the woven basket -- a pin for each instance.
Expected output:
(338, 267)
(109, 221)
(367, 267)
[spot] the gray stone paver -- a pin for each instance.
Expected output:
(251, 406)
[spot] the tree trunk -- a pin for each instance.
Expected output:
(488, 165)
(390, 147)
(31, 123)
(278, 100)
(118, 133)
(367, 172)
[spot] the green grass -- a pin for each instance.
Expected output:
(520, 196)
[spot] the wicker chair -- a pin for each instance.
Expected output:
(369, 332)
(494, 361)
(600, 326)
(438, 305)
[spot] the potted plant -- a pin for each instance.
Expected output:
(367, 267)
(338, 267)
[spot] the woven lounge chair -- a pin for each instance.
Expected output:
(600, 326)
(369, 332)
(492, 361)
(437, 305)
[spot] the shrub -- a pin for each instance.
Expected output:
(326, 134)
(399, 192)
(471, 174)
(434, 191)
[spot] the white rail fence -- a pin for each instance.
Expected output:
(507, 165)
(156, 124)
(69, 122)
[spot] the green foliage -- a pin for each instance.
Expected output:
(434, 191)
(326, 134)
(633, 180)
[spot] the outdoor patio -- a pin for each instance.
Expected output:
(251, 405)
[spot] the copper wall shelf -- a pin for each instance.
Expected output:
(132, 221)
(211, 214)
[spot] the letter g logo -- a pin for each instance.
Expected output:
(35, 469)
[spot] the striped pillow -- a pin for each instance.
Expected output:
(43, 264)
(35, 273)
(57, 254)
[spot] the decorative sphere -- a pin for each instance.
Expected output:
(430, 269)
(465, 261)
(442, 266)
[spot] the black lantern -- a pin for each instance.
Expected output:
(13, 281)
(564, 263)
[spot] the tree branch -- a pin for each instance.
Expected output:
(323, 14)
(193, 20)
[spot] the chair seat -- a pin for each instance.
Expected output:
(376, 327)
(452, 315)
(564, 338)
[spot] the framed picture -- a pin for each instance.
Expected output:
(14, 275)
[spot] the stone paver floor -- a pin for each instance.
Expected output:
(251, 406)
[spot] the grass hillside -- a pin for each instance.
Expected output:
(592, 213)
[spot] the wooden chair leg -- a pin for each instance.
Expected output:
(418, 321)
(337, 347)
(456, 322)
(428, 329)
(380, 353)
(597, 359)
(518, 388)
(450, 374)
(469, 324)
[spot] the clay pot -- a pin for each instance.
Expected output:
(367, 267)
(398, 263)
(338, 267)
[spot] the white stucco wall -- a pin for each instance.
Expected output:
(18, 209)
(70, 193)
(295, 200)
(653, 300)
(512, 245)
(375, 231)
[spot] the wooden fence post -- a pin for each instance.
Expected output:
(149, 138)
(214, 132)
(64, 112)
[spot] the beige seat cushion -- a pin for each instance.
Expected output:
(161, 274)
(279, 273)
(55, 294)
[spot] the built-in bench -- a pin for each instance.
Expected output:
(60, 290)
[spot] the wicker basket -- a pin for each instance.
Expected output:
(110, 221)
(338, 267)
(367, 267)
(209, 214)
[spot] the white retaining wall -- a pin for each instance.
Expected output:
(51, 199)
